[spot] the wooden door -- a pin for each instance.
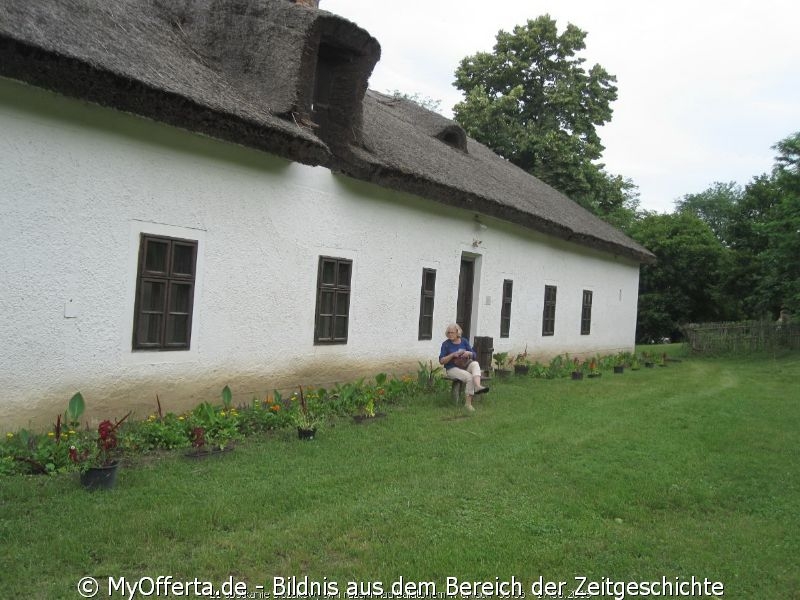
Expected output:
(464, 304)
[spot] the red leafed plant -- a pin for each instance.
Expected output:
(97, 452)
(198, 438)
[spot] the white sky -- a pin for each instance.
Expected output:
(705, 87)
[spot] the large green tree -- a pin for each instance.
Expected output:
(717, 206)
(761, 227)
(533, 101)
(685, 284)
(779, 286)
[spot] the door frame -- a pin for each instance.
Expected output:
(467, 291)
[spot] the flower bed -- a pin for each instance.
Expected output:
(209, 427)
(216, 426)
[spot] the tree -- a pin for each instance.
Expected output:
(780, 283)
(685, 284)
(533, 102)
(716, 206)
(763, 231)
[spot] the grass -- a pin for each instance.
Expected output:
(688, 470)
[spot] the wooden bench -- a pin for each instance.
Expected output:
(457, 388)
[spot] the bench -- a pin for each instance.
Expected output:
(457, 388)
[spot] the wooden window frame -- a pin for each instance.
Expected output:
(170, 278)
(427, 292)
(586, 313)
(325, 323)
(505, 308)
(549, 311)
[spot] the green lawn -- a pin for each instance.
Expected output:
(685, 471)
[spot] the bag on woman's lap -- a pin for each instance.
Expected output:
(462, 362)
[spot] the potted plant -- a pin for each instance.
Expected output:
(522, 364)
(501, 362)
(577, 369)
(305, 418)
(664, 359)
(619, 364)
(96, 456)
(648, 360)
(593, 370)
(635, 364)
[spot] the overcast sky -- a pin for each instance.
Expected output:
(706, 87)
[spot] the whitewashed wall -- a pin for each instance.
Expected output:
(79, 183)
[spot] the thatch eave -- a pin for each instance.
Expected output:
(249, 72)
(422, 187)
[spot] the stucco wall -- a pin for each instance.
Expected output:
(78, 184)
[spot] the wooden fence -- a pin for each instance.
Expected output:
(742, 336)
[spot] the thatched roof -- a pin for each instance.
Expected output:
(245, 71)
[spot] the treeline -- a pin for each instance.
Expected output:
(729, 253)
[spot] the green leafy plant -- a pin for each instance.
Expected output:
(49, 453)
(158, 432)
(219, 424)
(501, 360)
(560, 366)
(227, 398)
(75, 409)
(427, 376)
(622, 359)
(28, 452)
(343, 398)
(538, 370)
(263, 415)
(399, 389)
(305, 415)
(370, 396)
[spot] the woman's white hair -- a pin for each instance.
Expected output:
(455, 326)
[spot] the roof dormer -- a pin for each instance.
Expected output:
(338, 59)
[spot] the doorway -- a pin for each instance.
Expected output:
(466, 281)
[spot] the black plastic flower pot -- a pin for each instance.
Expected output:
(306, 434)
(100, 478)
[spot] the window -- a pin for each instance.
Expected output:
(505, 310)
(165, 279)
(586, 313)
(426, 304)
(333, 300)
(549, 316)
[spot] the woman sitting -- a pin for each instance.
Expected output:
(458, 359)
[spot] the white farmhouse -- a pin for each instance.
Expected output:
(197, 193)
